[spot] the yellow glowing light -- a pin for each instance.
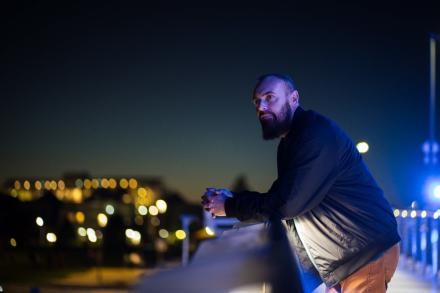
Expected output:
(123, 183)
(126, 198)
(396, 213)
(80, 217)
(161, 205)
(39, 221)
(95, 183)
(13, 242)
(47, 185)
(135, 258)
(404, 214)
(82, 232)
(53, 185)
(17, 185)
(363, 147)
(112, 183)
(142, 210)
(87, 184)
(51, 237)
(27, 185)
(423, 214)
(102, 220)
(142, 192)
(436, 215)
(77, 195)
(59, 194)
(209, 231)
(109, 209)
(38, 185)
(104, 183)
(180, 234)
(163, 233)
(14, 193)
(132, 183)
(61, 185)
(153, 210)
(413, 214)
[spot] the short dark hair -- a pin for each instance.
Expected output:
(288, 81)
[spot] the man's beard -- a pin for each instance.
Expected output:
(274, 128)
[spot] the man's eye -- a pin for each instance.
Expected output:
(269, 98)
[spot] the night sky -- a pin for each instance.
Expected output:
(136, 89)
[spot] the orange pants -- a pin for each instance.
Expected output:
(372, 277)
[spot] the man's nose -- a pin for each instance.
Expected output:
(261, 107)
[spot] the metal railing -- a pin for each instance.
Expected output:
(420, 246)
(257, 257)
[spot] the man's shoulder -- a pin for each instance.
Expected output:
(315, 121)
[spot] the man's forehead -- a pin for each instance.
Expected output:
(273, 85)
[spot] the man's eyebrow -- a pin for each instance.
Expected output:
(264, 94)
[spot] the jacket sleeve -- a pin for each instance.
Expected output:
(312, 169)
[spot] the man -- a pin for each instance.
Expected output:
(343, 228)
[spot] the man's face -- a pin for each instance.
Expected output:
(275, 104)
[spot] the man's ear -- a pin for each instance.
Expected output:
(295, 97)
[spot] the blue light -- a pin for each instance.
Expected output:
(436, 191)
(432, 189)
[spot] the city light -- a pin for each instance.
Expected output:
(363, 147)
(436, 215)
(95, 183)
(79, 183)
(163, 233)
(13, 242)
(87, 184)
(123, 183)
(27, 185)
(76, 195)
(153, 210)
(404, 214)
(432, 189)
(423, 214)
(132, 183)
(161, 205)
(109, 209)
(134, 236)
(180, 234)
(51, 237)
(80, 217)
(413, 214)
(209, 231)
(38, 185)
(104, 183)
(142, 192)
(17, 185)
(53, 185)
(126, 198)
(142, 210)
(112, 183)
(39, 221)
(47, 185)
(102, 220)
(91, 235)
(396, 213)
(61, 185)
(82, 232)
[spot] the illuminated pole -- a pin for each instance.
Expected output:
(431, 147)
(432, 47)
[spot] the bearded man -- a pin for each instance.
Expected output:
(344, 230)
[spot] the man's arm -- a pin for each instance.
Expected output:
(312, 169)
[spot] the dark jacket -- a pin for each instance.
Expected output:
(335, 210)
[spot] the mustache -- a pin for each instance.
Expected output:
(267, 113)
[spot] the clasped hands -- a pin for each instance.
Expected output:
(213, 200)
